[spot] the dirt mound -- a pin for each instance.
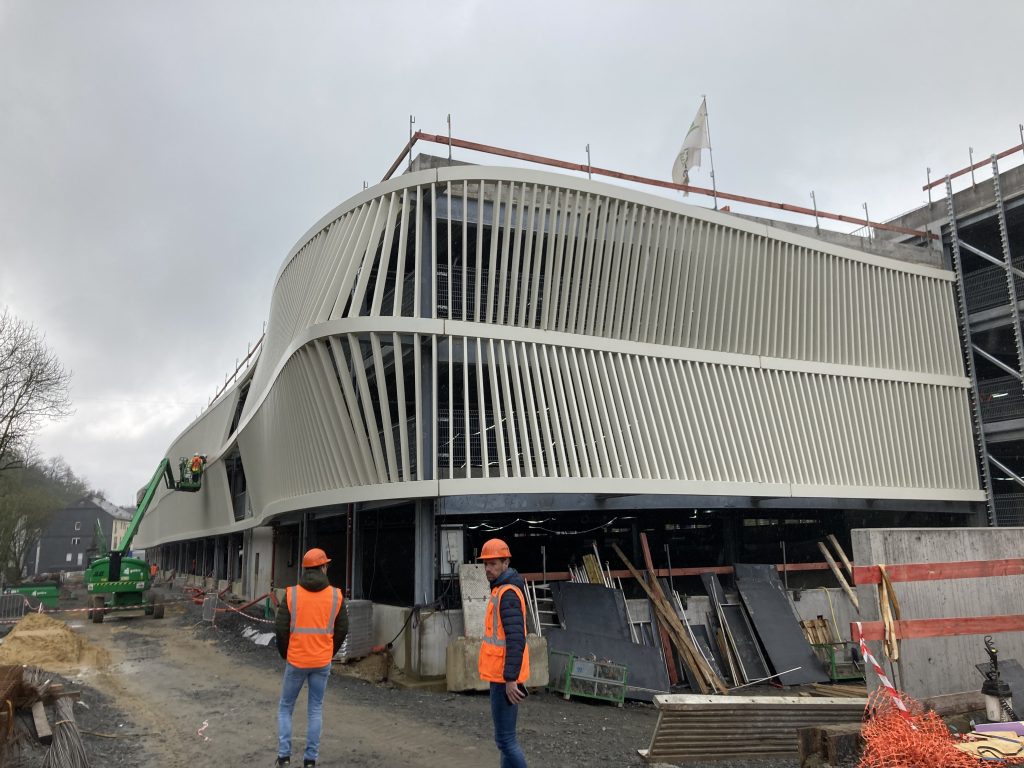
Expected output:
(39, 640)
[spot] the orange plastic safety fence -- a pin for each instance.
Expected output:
(922, 740)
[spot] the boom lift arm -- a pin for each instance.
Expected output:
(190, 471)
(100, 538)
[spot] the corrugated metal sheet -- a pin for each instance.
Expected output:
(695, 727)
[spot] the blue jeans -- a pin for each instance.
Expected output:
(504, 716)
(294, 677)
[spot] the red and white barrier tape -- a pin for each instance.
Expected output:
(106, 609)
(896, 700)
(41, 609)
(243, 613)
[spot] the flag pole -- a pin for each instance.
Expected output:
(711, 154)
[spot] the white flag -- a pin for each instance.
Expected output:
(697, 138)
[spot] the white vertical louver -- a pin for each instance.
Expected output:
(476, 329)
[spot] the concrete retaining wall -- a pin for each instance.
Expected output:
(937, 666)
(419, 651)
(464, 652)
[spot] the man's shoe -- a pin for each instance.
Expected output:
(309, 764)
(283, 761)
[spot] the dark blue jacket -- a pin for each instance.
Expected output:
(513, 622)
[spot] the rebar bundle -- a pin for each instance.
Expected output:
(67, 749)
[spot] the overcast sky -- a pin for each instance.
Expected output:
(159, 159)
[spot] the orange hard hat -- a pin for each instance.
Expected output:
(315, 558)
(494, 549)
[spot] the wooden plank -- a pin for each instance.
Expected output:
(847, 565)
(839, 576)
(43, 731)
(949, 627)
(967, 569)
(666, 644)
(955, 703)
(678, 634)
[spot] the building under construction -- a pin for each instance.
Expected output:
(466, 349)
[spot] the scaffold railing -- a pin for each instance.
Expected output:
(595, 170)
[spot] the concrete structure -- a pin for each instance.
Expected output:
(944, 665)
(468, 349)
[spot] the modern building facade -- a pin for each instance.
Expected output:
(469, 349)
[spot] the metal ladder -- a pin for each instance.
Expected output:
(542, 606)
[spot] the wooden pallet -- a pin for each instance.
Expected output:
(817, 631)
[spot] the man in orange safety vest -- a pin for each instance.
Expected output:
(504, 655)
(310, 627)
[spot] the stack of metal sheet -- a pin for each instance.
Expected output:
(697, 727)
(359, 641)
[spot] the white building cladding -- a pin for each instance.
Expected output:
(473, 330)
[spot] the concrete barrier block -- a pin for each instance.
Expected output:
(461, 664)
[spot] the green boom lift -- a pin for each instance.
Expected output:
(119, 581)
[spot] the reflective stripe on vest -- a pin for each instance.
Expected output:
(328, 630)
(495, 606)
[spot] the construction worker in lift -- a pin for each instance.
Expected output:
(195, 467)
(504, 655)
(311, 625)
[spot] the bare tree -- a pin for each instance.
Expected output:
(33, 388)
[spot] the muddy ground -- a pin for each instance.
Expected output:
(182, 692)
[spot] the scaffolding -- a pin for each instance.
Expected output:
(984, 235)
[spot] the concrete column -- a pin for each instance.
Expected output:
(424, 590)
(357, 555)
(246, 561)
(219, 562)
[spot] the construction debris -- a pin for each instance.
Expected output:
(30, 690)
(692, 657)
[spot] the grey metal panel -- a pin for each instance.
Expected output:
(777, 625)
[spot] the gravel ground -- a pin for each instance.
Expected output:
(554, 733)
(184, 692)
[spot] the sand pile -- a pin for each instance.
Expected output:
(41, 641)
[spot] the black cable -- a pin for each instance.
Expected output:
(414, 612)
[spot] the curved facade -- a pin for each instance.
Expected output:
(475, 330)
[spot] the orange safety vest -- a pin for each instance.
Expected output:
(311, 644)
(492, 647)
(197, 464)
